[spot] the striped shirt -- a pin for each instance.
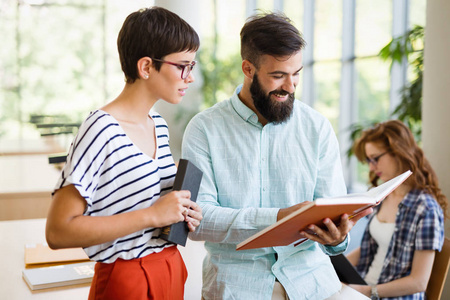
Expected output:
(250, 171)
(114, 177)
(419, 225)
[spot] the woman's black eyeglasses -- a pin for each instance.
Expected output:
(185, 68)
(374, 160)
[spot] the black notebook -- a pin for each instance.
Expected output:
(188, 177)
(346, 271)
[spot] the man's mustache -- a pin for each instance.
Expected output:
(280, 92)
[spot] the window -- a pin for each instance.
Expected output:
(59, 57)
(58, 61)
(343, 77)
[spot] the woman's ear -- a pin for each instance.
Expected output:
(144, 66)
(248, 69)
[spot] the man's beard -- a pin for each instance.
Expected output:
(273, 111)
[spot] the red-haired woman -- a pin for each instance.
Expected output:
(398, 246)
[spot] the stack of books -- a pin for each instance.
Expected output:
(47, 268)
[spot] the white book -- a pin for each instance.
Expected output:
(61, 275)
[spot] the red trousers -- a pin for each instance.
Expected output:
(157, 276)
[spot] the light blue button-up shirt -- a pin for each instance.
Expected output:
(250, 172)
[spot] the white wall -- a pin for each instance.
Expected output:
(436, 99)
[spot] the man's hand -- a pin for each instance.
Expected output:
(283, 212)
(334, 235)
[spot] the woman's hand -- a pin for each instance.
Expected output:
(175, 207)
(193, 216)
(366, 290)
(170, 208)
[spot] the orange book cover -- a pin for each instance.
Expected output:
(287, 230)
(40, 254)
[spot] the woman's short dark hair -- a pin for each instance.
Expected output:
(269, 33)
(153, 32)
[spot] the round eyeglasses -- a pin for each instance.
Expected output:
(185, 68)
(374, 160)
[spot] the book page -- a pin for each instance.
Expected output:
(350, 198)
(382, 191)
(374, 195)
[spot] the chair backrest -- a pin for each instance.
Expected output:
(439, 272)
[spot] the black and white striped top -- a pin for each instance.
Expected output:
(114, 177)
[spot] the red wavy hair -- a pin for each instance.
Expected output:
(398, 139)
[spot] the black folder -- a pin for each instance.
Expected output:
(188, 177)
(345, 270)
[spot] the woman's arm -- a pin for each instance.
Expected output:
(416, 282)
(68, 227)
(353, 257)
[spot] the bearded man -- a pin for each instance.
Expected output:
(263, 155)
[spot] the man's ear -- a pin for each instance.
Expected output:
(248, 69)
(144, 66)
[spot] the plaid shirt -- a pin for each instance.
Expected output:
(419, 225)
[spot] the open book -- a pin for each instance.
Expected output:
(287, 230)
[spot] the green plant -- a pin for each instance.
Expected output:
(409, 46)
(220, 76)
(219, 79)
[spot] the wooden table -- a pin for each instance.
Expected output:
(14, 235)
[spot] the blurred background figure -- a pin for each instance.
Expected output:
(398, 246)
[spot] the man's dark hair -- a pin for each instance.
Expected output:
(269, 33)
(154, 32)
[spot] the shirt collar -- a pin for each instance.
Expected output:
(411, 198)
(243, 110)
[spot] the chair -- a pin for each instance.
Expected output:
(439, 272)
